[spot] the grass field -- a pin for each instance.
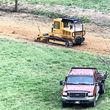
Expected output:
(30, 75)
(100, 5)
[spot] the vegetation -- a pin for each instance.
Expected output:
(100, 5)
(30, 75)
(58, 15)
(48, 14)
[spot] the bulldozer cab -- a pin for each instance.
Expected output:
(57, 26)
(73, 24)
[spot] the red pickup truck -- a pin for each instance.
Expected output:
(83, 86)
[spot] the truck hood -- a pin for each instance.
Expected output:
(88, 88)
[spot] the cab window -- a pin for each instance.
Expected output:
(57, 25)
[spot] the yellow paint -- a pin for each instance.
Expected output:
(60, 31)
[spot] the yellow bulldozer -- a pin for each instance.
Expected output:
(68, 31)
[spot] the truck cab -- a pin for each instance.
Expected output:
(83, 86)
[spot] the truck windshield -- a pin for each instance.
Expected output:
(80, 80)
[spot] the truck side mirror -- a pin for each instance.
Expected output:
(62, 82)
(105, 75)
(96, 83)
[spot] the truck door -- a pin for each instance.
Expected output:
(97, 91)
(97, 85)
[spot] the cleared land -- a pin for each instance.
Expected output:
(25, 26)
(30, 74)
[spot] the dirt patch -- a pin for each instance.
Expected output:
(95, 44)
(25, 26)
(22, 24)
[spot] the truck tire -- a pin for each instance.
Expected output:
(64, 104)
(93, 104)
(102, 89)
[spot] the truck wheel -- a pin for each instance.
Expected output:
(102, 89)
(64, 104)
(93, 104)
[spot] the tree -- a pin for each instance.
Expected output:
(16, 5)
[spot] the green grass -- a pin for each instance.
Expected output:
(30, 75)
(49, 14)
(100, 5)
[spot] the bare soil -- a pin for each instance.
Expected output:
(25, 26)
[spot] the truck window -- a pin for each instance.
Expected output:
(80, 80)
